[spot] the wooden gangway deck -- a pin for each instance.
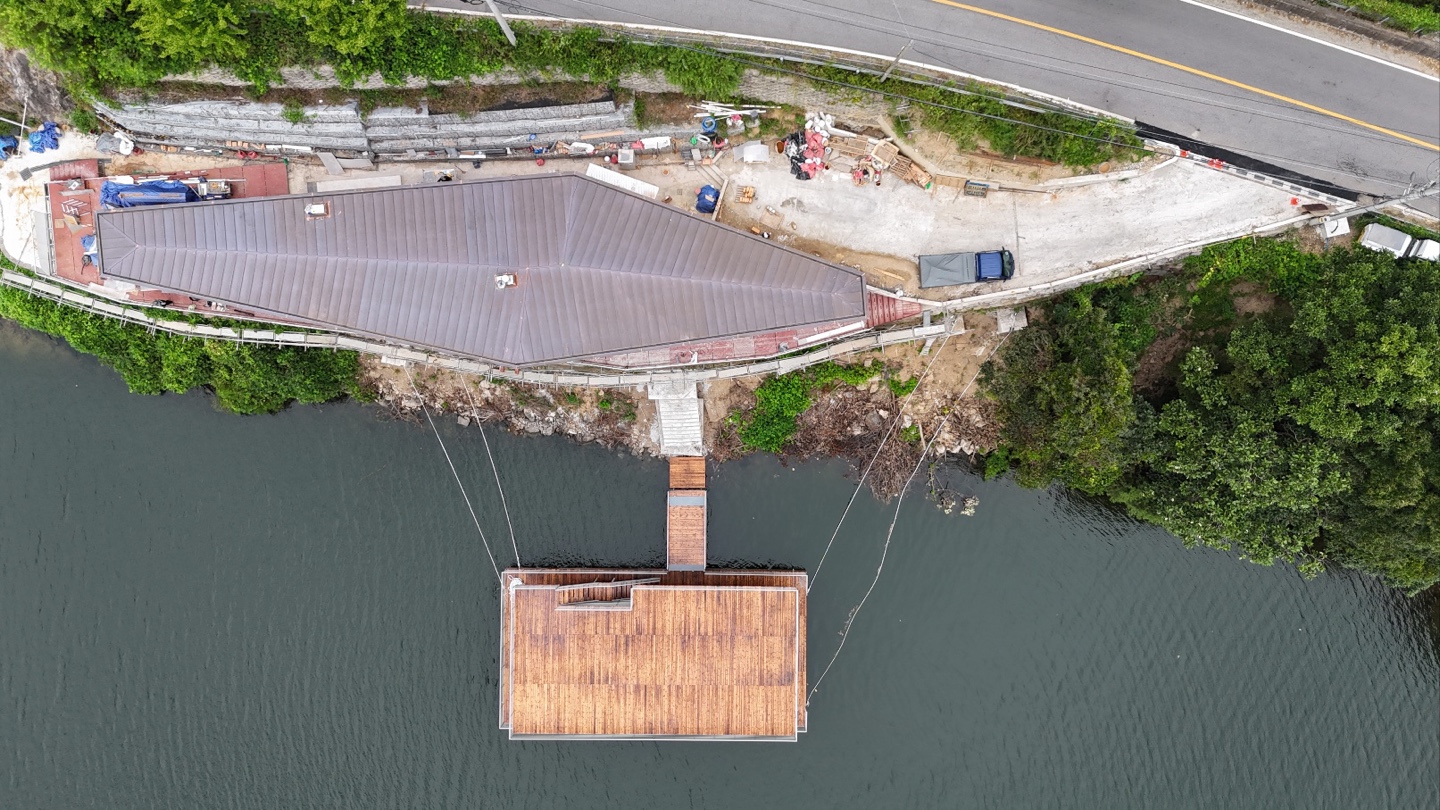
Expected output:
(685, 515)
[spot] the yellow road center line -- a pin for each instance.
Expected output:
(1187, 69)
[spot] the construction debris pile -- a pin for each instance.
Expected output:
(821, 146)
(46, 137)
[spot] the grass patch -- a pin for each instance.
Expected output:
(1417, 231)
(902, 388)
(84, 120)
(294, 111)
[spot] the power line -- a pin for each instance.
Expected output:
(888, 94)
(899, 411)
(950, 41)
(456, 473)
(496, 470)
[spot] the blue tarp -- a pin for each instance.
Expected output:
(8, 144)
(155, 192)
(708, 197)
(46, 137)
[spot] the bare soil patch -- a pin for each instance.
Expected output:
(1251, 298)
(664, 108)
(1158, 363)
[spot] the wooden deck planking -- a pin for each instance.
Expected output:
(687, 472)
(684, 535)
(762, 578)
(687, 660)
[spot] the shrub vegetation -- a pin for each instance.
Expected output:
(246, 379)
(781, 399)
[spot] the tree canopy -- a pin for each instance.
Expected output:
(1303, 433)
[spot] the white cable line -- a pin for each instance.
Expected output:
(899, 410)
(988, 50)
(496, 470)
(456, 473)
(885, 550)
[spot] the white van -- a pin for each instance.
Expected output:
(1425, 249)
(1379, 237)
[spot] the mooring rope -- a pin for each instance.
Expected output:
(885, 550)
(899, 410)
(496, 470)
(456, 473)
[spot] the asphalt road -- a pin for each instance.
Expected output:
(1335, 146)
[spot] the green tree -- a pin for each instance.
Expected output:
(90, 40)
(1306, 434)
(1065, 395)
(193, 31)
(351, 28)
(1218, 468)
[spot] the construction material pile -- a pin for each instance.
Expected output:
(46, 137)
(822, 146)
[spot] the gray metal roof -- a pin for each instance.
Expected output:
(599, 269)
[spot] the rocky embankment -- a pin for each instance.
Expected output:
(23, 85)
(845, 422)
(612, 418)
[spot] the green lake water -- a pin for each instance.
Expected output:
(202, 610)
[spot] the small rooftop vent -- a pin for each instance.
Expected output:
(504, 280)
(320, 210)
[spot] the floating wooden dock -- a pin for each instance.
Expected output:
(683, 653)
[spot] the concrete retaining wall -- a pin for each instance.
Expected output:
(391, 130)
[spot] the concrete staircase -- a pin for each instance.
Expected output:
(679, 419)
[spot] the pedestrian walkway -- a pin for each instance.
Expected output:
(678, 418)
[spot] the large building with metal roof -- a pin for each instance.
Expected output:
(518, 271)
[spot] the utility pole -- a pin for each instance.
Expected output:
(886, 74)
(499, 18)
(504, 24)
(1414, 195)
